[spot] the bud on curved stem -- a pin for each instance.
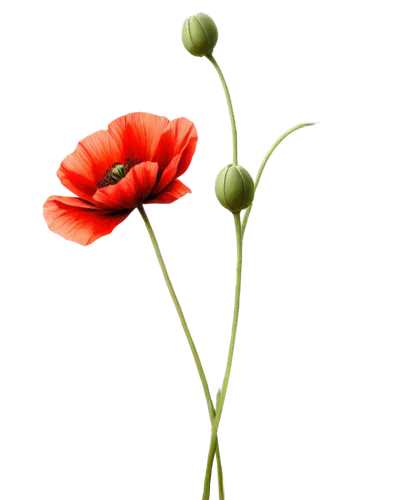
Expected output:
(199, 35)
(234, 188)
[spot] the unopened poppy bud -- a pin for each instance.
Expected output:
(234, 188)
(199, 35)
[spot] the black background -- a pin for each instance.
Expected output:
(118, 412)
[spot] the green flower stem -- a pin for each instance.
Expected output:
(210, 406)
(228, 100)
(264, 162)
(221, 399)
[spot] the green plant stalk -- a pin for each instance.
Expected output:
(234, 132)
(221, 401)
(228, 100)
(210, 406)
(264, 162)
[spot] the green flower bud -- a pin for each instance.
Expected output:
(199, 35)
(234, 188)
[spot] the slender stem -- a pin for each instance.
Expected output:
(228, 100)
(220, 404)
(210, 406)
(264, 162)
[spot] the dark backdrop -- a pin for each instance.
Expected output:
(118, 412)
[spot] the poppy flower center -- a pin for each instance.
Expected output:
(116, 172)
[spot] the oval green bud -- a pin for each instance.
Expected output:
(199, 35)
(234, 188)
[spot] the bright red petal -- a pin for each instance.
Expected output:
(103, 151)
(187, 156)
(131, 191)
(140, 134)
(76, 220)
(75, 173)
(180, 134)
(168, 175)
(81, 170)
(171, 193)
(145, 175)
(117, 129)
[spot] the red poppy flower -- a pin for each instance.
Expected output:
(136, 161)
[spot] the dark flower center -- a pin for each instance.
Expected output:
(116, 172)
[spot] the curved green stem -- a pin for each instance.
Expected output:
(220, 404)
(228, 100)
(264, 162)
(210, 406)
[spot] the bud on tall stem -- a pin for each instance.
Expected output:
(199, 35)
(234, 188)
